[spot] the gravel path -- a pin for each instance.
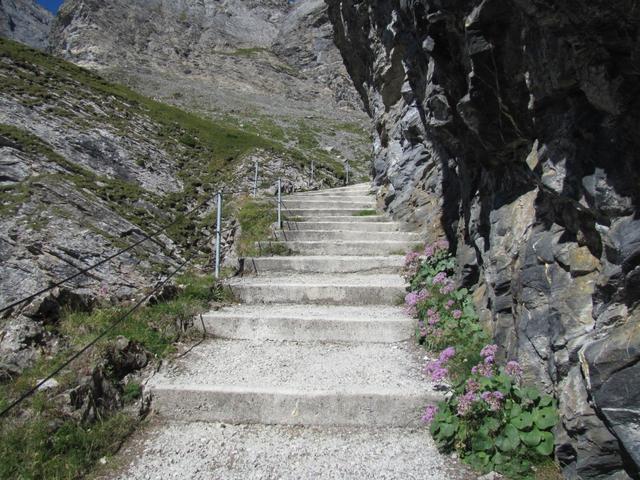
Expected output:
(202, 451)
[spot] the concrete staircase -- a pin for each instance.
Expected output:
(319, 343)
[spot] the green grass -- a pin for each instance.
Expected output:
(256, 218)
(40, 441)
(365, 213)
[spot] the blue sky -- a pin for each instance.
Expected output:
(51, 5)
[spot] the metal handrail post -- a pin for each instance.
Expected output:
(255, 181)
(218, 232)
(347, 171)
(312, 171)
(279, 204)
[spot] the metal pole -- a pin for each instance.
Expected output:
(255, 181)
(346, 166)
(279, 203)
(218, 232)
(312, 171)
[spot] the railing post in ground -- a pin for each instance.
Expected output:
(255, 181)
(279, 203)
(218, 232)
(346, 169)
(312, 171)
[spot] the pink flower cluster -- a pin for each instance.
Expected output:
(431, 250)
(485, 368)
(446, 283)
(437, 369)
(465, 403)
(433, 317)
(429, 414)
(494, 399)
(513, 369)
(412, 299)
(411, 258)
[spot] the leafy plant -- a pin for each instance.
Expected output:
(490, 420)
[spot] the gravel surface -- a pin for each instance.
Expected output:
(312, 366)
(352, 313)
(201, 451)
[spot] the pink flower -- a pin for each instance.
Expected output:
(436, 370)
(484, 369)
(457, 314)
(429, 250)
(489, 351)
(493, 399)
(472, 385)
(439, 278)
(429, 414)
(450, 303)
(465, 403)
(513, 369)
(433, 317)
(411, 258)
(442, 244)
(447, 354)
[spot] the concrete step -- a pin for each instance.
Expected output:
(358, 189)
(294, 204)
(319, 235)
(344, 247)
(290, 383)
(328, 198)
(323, 212)
(357, 226)
(347, 289)
(370, 324)
(206, 451)
(324, 264)
(340, 218)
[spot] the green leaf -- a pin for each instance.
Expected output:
(447, 430)
(532, 438)
(516, 409)
(490, 424)
(522, 421)
(481, 442)
(546, 445)
(499, 459)
(531, 393)
(545, 418)
(509, 440)
(545, 401)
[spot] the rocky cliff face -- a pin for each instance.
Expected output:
(26, 22)
(512, 127)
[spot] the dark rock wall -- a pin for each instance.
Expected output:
(513, 128)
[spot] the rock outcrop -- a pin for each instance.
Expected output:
(510, 127)
(26, 22)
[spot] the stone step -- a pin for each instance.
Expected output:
(340, 198)
(323, 264)
(319, 235)
(366, 384)
(203, 451)
(340, 218)
(343, 247)
(372, 324)
(346, 289)
(323, 212)
(358, 189)
(295, 204)
(357, 226)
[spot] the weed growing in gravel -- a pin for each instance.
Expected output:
(365, 213)
(491, 420)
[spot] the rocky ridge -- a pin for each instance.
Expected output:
(510, 128)
(26, 22)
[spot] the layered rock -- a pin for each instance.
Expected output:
(511, 128)
(26, 22)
